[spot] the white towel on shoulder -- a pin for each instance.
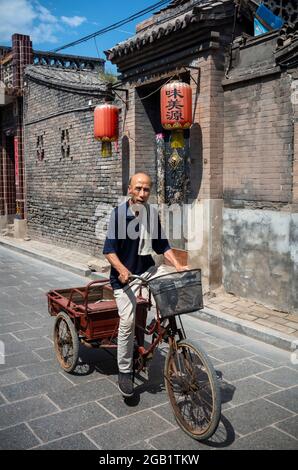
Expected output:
(148, 226)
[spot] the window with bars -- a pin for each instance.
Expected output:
(40, 148)
(65, 144)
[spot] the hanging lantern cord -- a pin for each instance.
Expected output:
(123, 101)
(109, 94)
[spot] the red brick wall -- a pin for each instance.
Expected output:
(22, 56)
(295, 162)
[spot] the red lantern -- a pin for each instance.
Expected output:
(176, 110)
(106, 126)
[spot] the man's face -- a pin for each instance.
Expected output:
(139, 189)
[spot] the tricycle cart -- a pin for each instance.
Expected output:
(89, 315)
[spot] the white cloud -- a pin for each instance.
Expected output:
(17, 16)
(32, 18)
(44, 32)
(45, 15)
(73, 20)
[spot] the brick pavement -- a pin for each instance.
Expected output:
(253, 312)
(256, 315)
(41, 407)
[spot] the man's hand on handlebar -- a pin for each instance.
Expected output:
(124, 276)
(180, 267)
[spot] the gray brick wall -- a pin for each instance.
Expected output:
(67, 197)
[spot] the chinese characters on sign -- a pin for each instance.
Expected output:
(174, 105)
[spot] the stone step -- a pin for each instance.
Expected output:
(8, 230)
(7, 233)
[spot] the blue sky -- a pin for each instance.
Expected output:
(54, 23)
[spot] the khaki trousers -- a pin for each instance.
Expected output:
(126, 303)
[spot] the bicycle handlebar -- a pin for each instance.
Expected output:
(135, 277)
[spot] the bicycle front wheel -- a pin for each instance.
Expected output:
(193, 390)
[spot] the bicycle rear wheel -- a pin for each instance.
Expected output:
(193, 390)
(66, 342)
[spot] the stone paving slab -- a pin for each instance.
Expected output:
(251, 388)
(282, 377)
(273, 354)
(286, 398)
(114, 435)
(208, 346)
(21, 359)
(11, 376)
(6, 318)
(267, 439)
(83, 393)
(12, 346)
(143, 401)
(240, 369)
(141, 445)
(45, 354)
(165, 441)
(76, 442)
(17, 438)
(14, 413)
(44, 368)
(12, 327)
(290, 426)
(266, 361)
(33, 387)
(232, 353)
(255, 415)
(165, 411)
(76, 419)
(32, 333)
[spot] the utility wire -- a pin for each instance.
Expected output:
(113, 26)
(96, 47)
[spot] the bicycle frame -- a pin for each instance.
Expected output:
(169, 331)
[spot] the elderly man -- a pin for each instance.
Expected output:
(128, 251)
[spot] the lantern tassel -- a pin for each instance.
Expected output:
(106, 149)
(177, 139)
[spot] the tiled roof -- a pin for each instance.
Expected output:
(286, 53)
(176, 17)
(288, 34)
(77, 79)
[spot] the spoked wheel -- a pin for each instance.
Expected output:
(193, 390)
(66, 342)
